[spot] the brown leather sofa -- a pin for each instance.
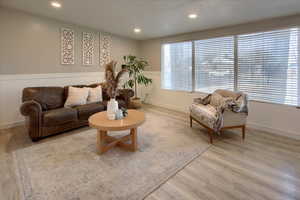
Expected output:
(46, 115)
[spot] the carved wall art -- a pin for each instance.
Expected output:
(67, 46)
(105, 49)
(87, 48)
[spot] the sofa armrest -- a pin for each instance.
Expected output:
(125, 94)
(32, 110)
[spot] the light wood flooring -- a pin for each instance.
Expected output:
(264, 166)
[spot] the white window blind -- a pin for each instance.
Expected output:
(264, 65)
(177, 66)
(268, 68)
(214, 64)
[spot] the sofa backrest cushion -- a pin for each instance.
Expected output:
(48, 97)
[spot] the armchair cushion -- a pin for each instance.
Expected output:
(206, 114)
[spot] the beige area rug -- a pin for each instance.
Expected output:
(69, 167)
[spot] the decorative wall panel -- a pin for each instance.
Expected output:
(67, 46)
(105, 49)
(87, 48)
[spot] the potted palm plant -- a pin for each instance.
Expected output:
(135, 67)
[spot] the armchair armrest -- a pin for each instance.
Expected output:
(33, 110)
(125, 94)
(203, 100)
(241, 104)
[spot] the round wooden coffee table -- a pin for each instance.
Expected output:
(103, 125)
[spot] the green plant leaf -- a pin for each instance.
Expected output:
(135, 67)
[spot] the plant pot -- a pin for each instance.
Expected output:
(135, 103)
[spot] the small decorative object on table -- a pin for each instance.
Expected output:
(125, 112)
(121, 113)
(112, 82)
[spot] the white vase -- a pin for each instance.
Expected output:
(112, 108)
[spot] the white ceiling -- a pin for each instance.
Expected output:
(157, 18)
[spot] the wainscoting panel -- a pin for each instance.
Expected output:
(11, 87)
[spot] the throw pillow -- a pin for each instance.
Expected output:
(95, 95)
(76, 96)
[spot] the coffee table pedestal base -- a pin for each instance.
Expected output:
(106, 142)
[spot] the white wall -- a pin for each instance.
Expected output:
(279, 119)
(11, 87)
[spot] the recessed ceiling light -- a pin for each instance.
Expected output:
(137, 30)
(193, 16)
(55, 4)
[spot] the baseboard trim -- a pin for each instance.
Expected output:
(169, 106)
(12, 124)
(280, 132)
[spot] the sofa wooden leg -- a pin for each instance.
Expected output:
(244, 130)
(191, 121)
(35, 139)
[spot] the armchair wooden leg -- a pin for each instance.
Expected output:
(244, 130)
(191, 121)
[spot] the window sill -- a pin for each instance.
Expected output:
(278, 104)
(251, 100)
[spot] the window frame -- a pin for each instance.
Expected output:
(236, 64)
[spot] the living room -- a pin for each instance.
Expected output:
(198, 99)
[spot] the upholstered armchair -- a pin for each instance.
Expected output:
(223, 109)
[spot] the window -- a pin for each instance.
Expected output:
(268, 66)
(264, 65)
(177, 66)
(214, 64)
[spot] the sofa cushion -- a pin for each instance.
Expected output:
(59, 116)
(85, 111)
